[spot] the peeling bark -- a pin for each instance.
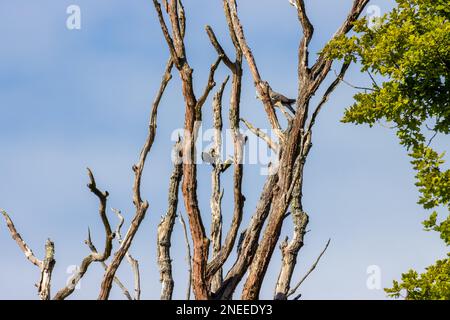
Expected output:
(165, 229)
(289, 250)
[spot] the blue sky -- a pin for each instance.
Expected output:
(76, 98)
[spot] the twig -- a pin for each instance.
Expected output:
(351, 85)
(431, 139)
(285, 113)
(188, 257)
(133, 262)
(210, 84)
(373, 80)
(322, 64)
(117, 281)
(261, 134)
(325, 97)
(212, 37)
(166, 32)
(20, 242)
(293, 290)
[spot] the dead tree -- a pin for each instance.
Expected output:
(282, 189)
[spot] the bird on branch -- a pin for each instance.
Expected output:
(280, 101)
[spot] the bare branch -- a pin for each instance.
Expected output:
(117, 281)
(290, 250)
(102, 196)
(322, 65)
(166, 32)
(93, 257)
(219, 49)
(176, 22)
(238, 143)
(270, 236)
(231, 29)
(45, 266)
(308, 31)
(133, 262)
(308, 28)
(286, 114)
(188, 257)
(309, 271)
(141, 206)
(137, 278)
(20, 242)
(209, 86)
(375, 84)
(261, 134)
(327, 94)
(108, 277)
(189, 184)
(352, 85)
(138, 168)
(181, 18)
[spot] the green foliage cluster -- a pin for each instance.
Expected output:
(410, 49)
(434, 284)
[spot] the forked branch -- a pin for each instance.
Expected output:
(93, 256)
(311, 269)
(132, 262)
(117, 281)
(45, 266)
(262, 87)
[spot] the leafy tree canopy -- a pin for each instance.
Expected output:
(410, 49)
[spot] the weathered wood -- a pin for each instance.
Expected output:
(165, 229)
